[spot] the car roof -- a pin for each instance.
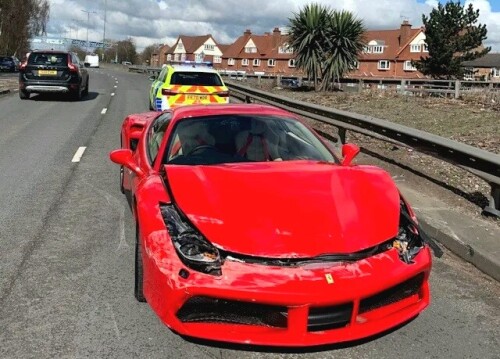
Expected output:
(193, 68)
(184, 112)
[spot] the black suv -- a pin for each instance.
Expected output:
(9, 63)
(53, 71)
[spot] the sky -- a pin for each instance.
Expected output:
(162, 21)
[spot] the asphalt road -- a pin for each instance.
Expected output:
(66, 251)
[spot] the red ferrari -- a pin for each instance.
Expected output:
(249, 229)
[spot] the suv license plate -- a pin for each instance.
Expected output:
(197, 97)
(47, 72)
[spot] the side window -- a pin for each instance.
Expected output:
(156, 134)
(163, 74)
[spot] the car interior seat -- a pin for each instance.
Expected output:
(190, 136)
(259, 143)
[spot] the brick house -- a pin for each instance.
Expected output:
(389, 53)
(195, 48)
(267, 54)
(159, 57)
(484, 68)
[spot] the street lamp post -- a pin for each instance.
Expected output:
(88, 20)
(104, 31)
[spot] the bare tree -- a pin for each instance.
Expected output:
(19, 21)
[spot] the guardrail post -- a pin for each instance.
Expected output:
(493, 208)
(258, 79)
(457, 89)
(403, 87)
(248, 99)
(342, 135)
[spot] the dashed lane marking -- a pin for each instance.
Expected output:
(78, 155)
(104, 111)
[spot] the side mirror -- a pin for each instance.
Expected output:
(349, 151)
(125, 158)
(152, 78)
(86, 64)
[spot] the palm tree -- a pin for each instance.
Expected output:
(326, 42)
(345, 41)
(307, 38)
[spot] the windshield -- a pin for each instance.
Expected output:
(243, 138)
(196, 79)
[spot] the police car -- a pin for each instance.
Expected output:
(187, 83)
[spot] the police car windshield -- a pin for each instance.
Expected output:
(196, 79)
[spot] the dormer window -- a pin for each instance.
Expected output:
(250, 50)
(415, 48)
(180, 46)
(285, 49)
(209, 47)
(375, 47)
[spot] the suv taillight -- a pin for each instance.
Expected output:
(167, 92)
(72, 67)
(222, 94)
(22, 66)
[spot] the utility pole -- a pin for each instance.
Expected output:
(88, 20)
(104, 31)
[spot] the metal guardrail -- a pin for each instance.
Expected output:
(483, 164)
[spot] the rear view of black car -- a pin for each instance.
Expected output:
(53, 71)
(9, 64)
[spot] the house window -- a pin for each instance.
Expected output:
(415, 48)
(495, 72)
(425, 48)
(217, 59)
(355, 65)
(271, 62)
(199, 57)
(291, 63)
(250, 50)
(183, 57)
(176, 57)
(469, 74)
(209, 47)
(244, 62)
(256, 62)
(377, 49)
(285, 49)
(409, 67)
(383, 65)
(169, 57)
(230, 62)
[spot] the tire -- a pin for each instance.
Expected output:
(86, 91)
(23, 95)
(138, 273)
(77, 95)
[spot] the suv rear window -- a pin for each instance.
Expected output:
(196, 79)
(41, 58)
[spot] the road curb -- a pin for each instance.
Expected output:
(483, 261)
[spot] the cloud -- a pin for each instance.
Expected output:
(161, 21)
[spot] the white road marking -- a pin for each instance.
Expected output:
(112, 94)
(104, 111)
(78, 155)
(115, 86)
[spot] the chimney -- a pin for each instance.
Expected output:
(247, 33)
(404, 32)
(276, 36)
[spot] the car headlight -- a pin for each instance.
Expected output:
(192, 248)
(409, 241)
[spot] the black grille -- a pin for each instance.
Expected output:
(212, 310)
(392, 295)
(332, 317)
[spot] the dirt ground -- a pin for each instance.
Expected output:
(474, 120)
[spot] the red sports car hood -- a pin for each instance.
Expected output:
(288, 209)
